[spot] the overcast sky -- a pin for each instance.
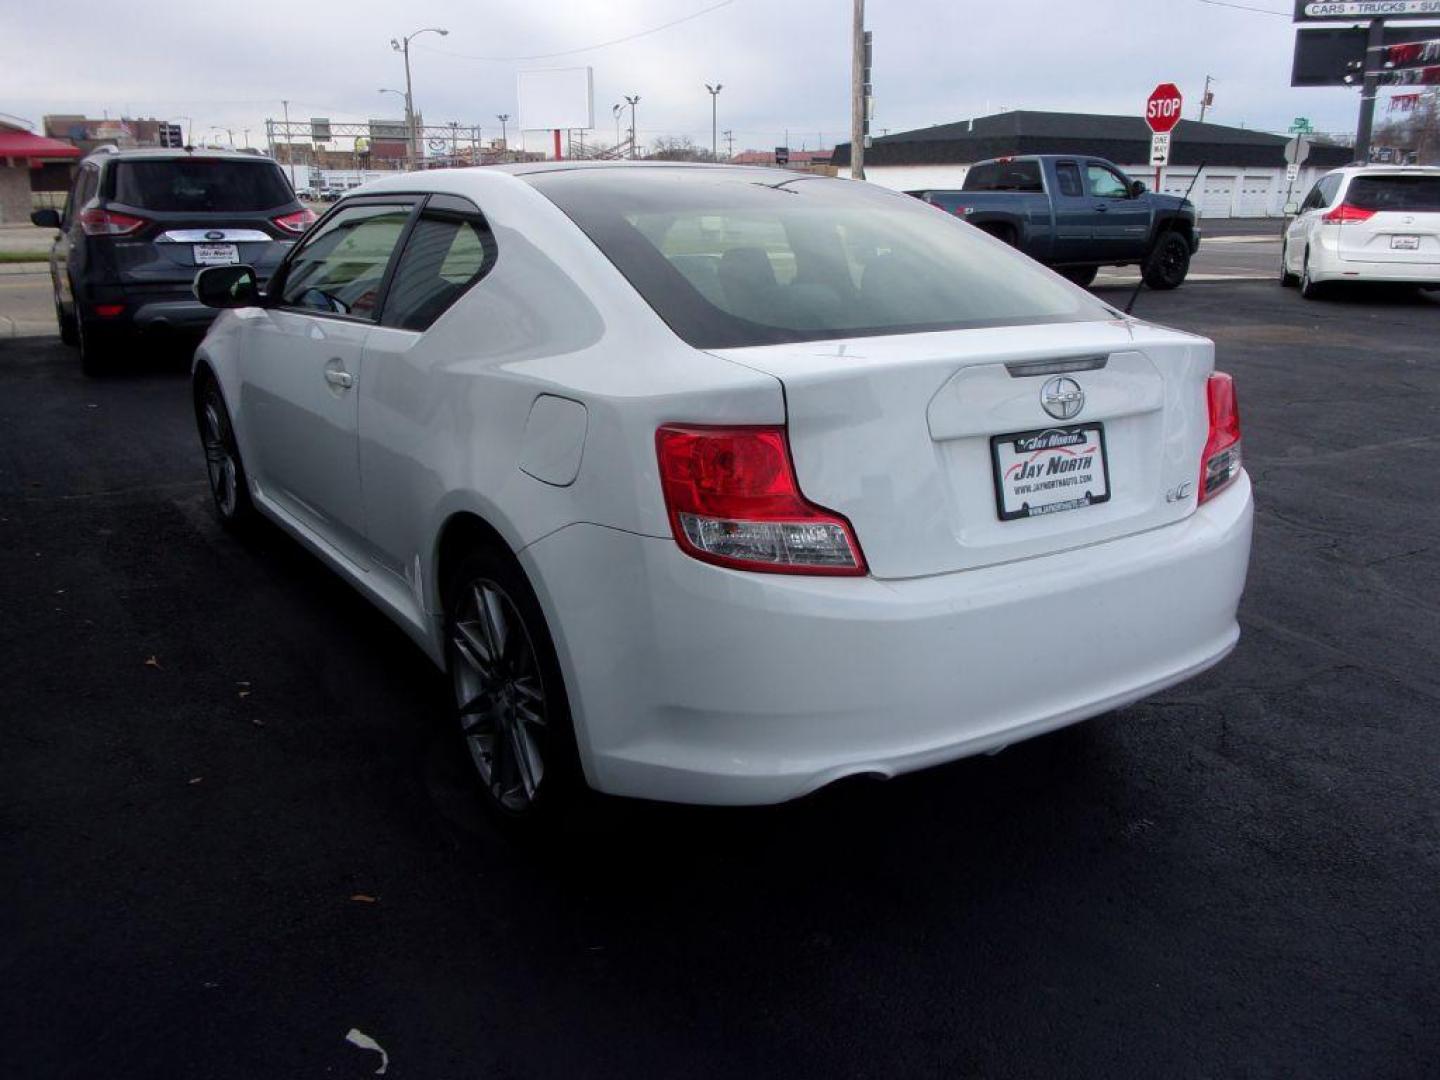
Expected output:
(784, 64)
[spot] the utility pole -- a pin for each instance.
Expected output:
(504, 119)
(615, 111)
(403, 46)
(730, 144)
(289, 146)
(454, 143)
(1369, 88)
(857, 93)
(1205, 98)
(634, 137)
(714, 98)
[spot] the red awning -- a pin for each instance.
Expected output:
(22, 144)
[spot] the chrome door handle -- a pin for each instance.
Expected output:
(341, 379)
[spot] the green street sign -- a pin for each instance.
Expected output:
(1301, 125)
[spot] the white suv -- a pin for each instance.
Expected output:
(1366, 223)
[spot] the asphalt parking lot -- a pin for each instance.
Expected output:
(234, 830)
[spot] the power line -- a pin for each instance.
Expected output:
(587, 48)
(1247, 7)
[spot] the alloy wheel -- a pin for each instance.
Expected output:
(499, 694)
(219, 459)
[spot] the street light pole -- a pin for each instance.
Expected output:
(634, 137)
(714, 105)
(504, 119)
(857, 93)
(403, 46)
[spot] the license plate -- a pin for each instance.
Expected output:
(216, 254)
(1405, 243)
(1049, 470)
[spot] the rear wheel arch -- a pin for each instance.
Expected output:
(1003, 231)
(462, 533)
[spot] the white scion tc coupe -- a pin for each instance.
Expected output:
(717, 484)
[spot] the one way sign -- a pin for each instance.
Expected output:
(1160, 148)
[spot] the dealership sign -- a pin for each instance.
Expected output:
(1332, 10)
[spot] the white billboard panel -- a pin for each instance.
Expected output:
(556, 99)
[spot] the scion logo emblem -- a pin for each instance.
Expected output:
(214, 234)
(1062, 398)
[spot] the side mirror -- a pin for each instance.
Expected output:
(46, 219)
(227, 287)
(1137, 188)
(1291, 209)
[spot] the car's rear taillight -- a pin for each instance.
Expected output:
(1220, 463)
(297, 222)
(97, 222)
(734, 501)
(1347, 212)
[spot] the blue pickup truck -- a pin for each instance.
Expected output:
(1077, 214)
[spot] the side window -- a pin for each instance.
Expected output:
(341, 268)
(83, 191)
(448, 251)
(1067, 174)
(1329, 188)
(1104, 183)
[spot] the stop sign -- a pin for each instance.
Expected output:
(1162, 110)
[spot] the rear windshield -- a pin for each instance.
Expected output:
(1005, 176)
(199, 184)
(1395, 193)
(733, 258)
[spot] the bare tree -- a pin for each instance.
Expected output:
(677, 148)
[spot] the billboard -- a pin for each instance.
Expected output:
(1324, 56)
(1350, 10)
(558, 99)
(388, 131)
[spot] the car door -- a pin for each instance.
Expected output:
(1298, 233)
(1121, 221)
(404, 408)
(302, 369)
(1074, 218)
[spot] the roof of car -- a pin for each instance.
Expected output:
(173, 154)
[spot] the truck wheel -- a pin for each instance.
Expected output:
(1168, 263)
(1080, 275)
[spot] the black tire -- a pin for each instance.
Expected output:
(1310, 290)
(1168, 262)
(1287, 279)
(511, 711)
(1080, 275)
(69, 331)
(229, 489)
(97, 347)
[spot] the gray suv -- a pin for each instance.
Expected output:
(138, 224)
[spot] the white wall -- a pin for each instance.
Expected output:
(914, 177)
(1224, 191)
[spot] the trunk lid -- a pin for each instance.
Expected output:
(896, 434)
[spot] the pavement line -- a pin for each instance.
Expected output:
(1257, 239)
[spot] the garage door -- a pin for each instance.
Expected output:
(1254, 196)
(1217, 195)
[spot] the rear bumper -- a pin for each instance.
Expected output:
(692, 683)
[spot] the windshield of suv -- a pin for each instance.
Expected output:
(733, 258)
(1412, 193)
(199, 184)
